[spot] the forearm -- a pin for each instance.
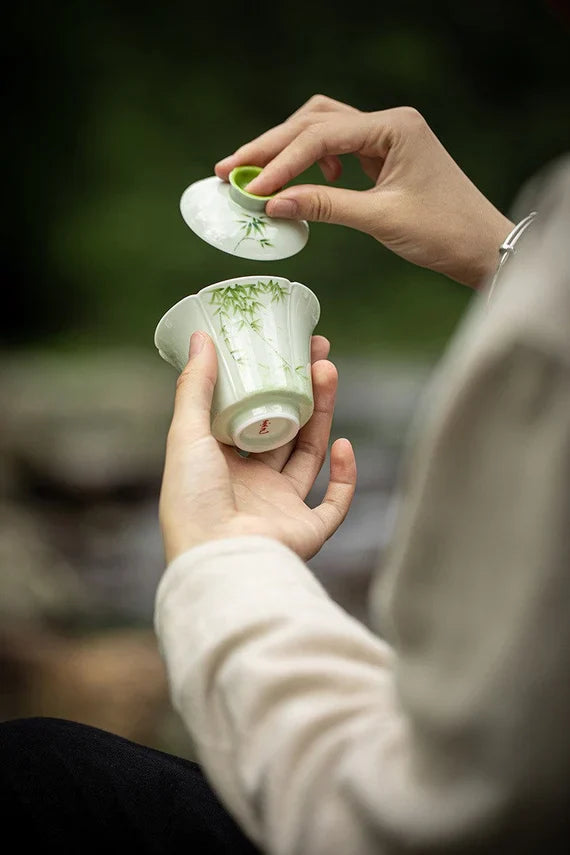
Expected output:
(275, 683)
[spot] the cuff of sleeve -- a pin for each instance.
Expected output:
(250, 543)
(251, 567)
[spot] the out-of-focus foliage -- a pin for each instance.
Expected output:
(115, 107)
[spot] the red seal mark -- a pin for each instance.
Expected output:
(264, 426)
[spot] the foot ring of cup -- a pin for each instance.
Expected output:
(266, 427)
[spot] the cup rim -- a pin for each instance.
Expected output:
(232, 281)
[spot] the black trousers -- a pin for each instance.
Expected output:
(70, 788)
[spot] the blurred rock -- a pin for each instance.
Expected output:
(82, 449)
(376, 398)
(36, 583)
(87, 422)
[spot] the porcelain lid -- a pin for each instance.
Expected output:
(226, 216)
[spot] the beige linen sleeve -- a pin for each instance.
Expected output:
(317, 734)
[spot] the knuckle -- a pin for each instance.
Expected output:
(306, 121)
(288, 172)
(189, 380)
(346, 146)
(184, 380)
(410, 117)
(309, 448)
(259, 151)
(244, 152)
(315, 139)
(322, 206)
(319, 102)
(209, 385)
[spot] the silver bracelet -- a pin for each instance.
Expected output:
(507, 248)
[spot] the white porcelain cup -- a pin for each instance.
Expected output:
(262, 328)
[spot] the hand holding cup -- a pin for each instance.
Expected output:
(210, 492)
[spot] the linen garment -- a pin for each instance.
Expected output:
(445, 727)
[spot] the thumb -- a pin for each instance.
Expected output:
(318, 203)
(195, 388)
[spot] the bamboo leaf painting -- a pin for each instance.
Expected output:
(239, 306)
(257, 225)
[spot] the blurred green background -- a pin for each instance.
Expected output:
(115, 107)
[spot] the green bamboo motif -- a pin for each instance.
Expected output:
(253, 228)
(242, 303)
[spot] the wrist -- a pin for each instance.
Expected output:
(487, 257)
(508, 248)
(183, 538)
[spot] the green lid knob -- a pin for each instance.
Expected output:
(240, 177)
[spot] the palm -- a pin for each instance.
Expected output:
(261, 491)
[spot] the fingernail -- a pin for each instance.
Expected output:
(250, 188)
(287, 208)
(197, 342)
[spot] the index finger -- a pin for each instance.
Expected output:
(262, 149)
(336, 134)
